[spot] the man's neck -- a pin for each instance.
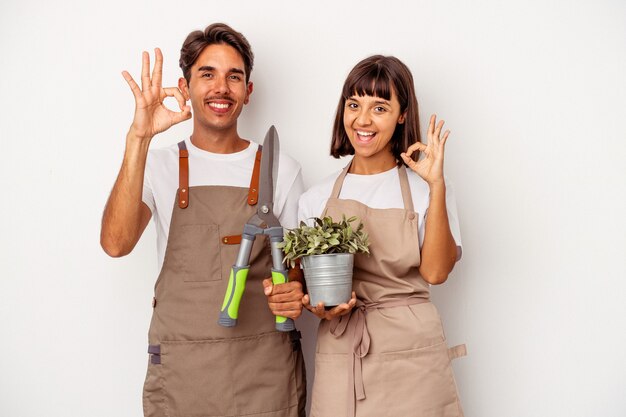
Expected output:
(218, 141)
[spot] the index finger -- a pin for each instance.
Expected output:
(286, 287)
(419, 146)
(157, 72)
(133, 85)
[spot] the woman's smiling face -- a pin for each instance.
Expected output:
(369, 122)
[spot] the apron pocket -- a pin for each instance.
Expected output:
(199, 259)
(264, 378)
(196, 378)
(242, 376)
(330, 387)
(422, 380)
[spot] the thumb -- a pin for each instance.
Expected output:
(268, 287)
(185, 114)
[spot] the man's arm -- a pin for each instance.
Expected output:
(125, 215)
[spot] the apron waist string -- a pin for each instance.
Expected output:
(356, 326)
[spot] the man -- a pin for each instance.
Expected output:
(201, 192)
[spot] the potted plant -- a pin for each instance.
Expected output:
(327, 252)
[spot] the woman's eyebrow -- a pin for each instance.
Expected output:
(378, 101)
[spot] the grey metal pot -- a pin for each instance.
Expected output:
(329, 277)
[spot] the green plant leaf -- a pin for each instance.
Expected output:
(326, 236)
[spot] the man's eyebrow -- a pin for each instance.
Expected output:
(232, 70)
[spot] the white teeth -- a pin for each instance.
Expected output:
(219, 105)
(365, 133)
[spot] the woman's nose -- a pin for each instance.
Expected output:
(363, 118)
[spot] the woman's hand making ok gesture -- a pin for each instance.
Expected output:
(430, 165)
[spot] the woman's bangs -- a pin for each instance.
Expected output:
(373, 83)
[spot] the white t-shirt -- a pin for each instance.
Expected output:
(205, 168)
(380, 191)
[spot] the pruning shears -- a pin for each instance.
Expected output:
(263, 222)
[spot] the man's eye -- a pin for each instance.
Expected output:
(235, 77)
(207, 75)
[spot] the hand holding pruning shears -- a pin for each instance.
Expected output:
(284, 299)
(337, 311)
(151, 115)
(430, 166)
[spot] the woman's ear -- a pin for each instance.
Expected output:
(401, 118)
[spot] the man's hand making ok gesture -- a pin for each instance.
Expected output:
(151, 115)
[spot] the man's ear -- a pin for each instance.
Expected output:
(183, 87)
(250, 89)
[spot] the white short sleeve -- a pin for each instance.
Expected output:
(288, 209)
(147, 195)
(453, 220)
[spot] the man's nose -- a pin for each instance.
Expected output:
(221, 86)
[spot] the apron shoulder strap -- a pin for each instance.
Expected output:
(183, 175)
(404, 186)
(406, 189)
(339, 181)
(253, 194)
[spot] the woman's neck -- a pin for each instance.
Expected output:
(375, 164)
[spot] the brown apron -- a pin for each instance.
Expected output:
(196, 367)
(389, 356)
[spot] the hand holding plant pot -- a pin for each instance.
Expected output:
(327, 251)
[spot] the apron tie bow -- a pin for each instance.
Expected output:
(356, 325)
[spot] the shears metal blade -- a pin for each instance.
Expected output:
(268, 177)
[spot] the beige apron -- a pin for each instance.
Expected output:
(196, 367)
(389, 356)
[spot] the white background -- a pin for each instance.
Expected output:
(533, 91)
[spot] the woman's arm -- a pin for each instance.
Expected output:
(439, 249)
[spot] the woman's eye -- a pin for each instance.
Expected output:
(380, 109)
(352, 105)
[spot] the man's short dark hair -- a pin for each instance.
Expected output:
(217, 33)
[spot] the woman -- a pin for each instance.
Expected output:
(384, 352)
